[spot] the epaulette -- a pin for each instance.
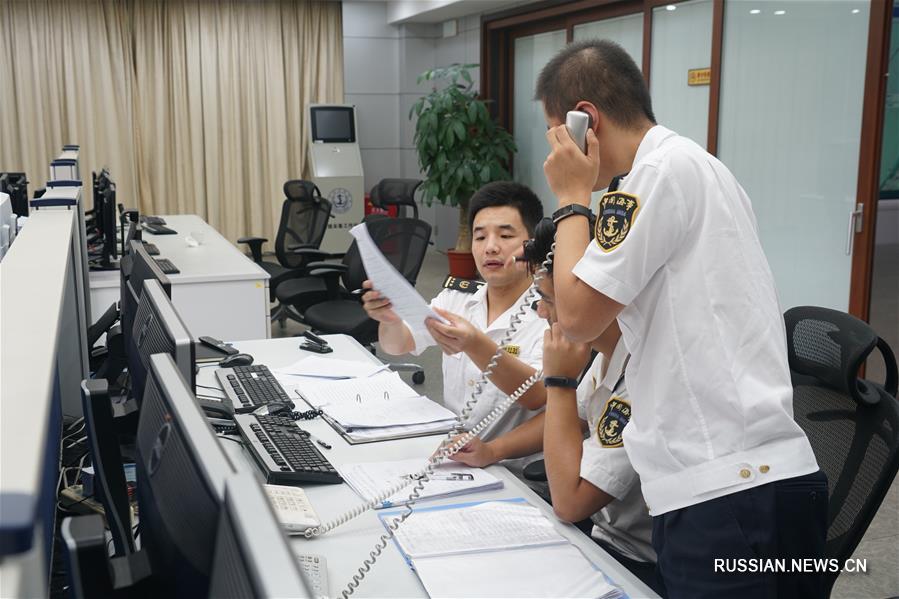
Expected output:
(463, 285)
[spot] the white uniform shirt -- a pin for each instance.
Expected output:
(603, 402)
(713, 408)
(460, 374)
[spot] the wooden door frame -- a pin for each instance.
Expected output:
(499, 31)
(870, 151)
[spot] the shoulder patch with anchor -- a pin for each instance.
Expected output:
(463, 285)
(615, 217)
(610, 426)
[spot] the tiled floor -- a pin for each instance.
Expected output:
(880, 545)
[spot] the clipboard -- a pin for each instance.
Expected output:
(347, 434)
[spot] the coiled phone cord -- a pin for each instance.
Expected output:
(447, 448)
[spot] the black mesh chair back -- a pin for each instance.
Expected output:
(396, 192)
(403, 241)
(304, 220)
(851, 423)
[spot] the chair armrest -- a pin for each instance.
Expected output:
(255, 244)
(535, 471)
(331, 274)
(310, 253)
(318, 269)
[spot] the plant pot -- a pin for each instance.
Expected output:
(461, 264)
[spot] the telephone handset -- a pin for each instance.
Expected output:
(578, 122)
(447, 446)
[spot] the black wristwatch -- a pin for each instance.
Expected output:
(560, 381)
(571, 210)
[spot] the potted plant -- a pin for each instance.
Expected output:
(460, 148)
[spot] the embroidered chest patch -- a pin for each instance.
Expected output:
(614, 418)
(615, 217)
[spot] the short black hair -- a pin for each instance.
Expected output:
(536, 249)
(600, 72)
(507, 193)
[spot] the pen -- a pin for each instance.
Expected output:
(318, 441)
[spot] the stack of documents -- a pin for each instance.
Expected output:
(495, 549)
(376, 407)
(327, 368)
(451, 479)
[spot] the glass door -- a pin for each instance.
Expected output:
(531, 52)
(790, 132)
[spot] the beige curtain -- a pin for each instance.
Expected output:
(206, 114)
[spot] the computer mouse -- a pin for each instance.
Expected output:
(236, 360)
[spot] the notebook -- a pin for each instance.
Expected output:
(370, 479)
(495, 549)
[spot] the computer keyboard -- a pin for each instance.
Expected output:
(151, 249)
(151, 220)
(251, 386)
(284, 451)
(166, 266)
(158, 229)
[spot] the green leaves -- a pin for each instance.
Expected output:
(460, 147)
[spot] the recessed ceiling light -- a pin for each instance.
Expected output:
(754, 11)
(780, 12)
(855, 11)
(671, 7)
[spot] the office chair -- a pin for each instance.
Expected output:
(396, 192)
(297, 294)
(851, 423)
(304, 220)
(403, 242)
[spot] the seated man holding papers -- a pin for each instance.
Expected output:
(593, 479)
(502, 216)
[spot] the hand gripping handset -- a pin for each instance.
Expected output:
(578, 122)
(447, 448)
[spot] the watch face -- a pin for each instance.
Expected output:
(341, 200)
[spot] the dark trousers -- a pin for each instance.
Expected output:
(645, 571)
(739, 534)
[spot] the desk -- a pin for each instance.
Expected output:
(219, 291)
(346, 546)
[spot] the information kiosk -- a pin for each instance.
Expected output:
(337, 169)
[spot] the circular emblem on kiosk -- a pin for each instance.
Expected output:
(341, 200)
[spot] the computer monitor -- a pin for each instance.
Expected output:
(16, 185)
(135, 269)
(7, 230)
(333, 124)
(107, 220)
(158, 329)
(181, 475)
(252, 555)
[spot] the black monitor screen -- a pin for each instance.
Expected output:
(135, 269)
(252, 555)
(181, 475)
(333, 124)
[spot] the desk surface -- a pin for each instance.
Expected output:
(215, 260)
(347, 546)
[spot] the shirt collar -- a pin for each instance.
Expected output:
(615, 365)
(652, 139)
(502, 321)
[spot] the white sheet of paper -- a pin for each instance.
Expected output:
(390, 432)
(406, 301)
(490, 526)
(330, 368)
(374, 412)
(556, 571)
(389, 385)
(369, 479)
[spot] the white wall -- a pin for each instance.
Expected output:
(381, 65)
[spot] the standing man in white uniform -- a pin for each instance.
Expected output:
(502, 215)
(726, 472)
